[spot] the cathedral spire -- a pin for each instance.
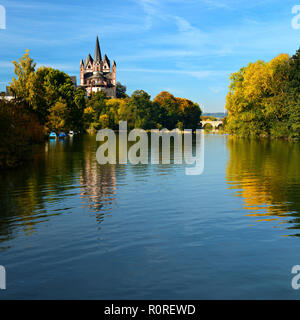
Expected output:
(97, 51)
(89, 58)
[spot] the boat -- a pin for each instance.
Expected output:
(62, 135)
(52, 135)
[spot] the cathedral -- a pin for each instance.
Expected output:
(97, 74)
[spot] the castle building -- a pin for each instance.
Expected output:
(97, 74)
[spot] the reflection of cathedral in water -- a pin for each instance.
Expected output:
(98, 185)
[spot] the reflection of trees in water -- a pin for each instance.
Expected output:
(48, 178)
(266, 174)
(22, 195)
(39, 190)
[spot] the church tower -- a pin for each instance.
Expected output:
(97, 74)
(81, 72)
(114, 73)
(98, 60)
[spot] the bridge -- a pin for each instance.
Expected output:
(215, 124)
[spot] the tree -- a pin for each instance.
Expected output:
(190, 114)
(19, 129)
(115, 111)
(49, 86)
(21, 85)
(177, 112)
(256, 101)
(293, 96)
(95, 107)
(50, 94)
(77, 110)
(170, 112)
(294, 74)
(104, 121)
(121, 91)
(141, 107)
(57, 117)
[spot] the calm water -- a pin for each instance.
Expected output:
(72, 229)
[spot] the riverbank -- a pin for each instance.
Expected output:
(20, 130)
(264, 99)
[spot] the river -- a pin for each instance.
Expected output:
(73, 229)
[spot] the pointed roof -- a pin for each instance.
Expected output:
(81, 63)
(114, 63)
(89, 58)
(105, 59)
(97, 51)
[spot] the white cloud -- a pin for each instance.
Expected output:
(63, 66)
(200, 74)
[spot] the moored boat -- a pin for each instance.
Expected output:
(52, 135)
(62, 135)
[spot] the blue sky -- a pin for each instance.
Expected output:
(187, 47)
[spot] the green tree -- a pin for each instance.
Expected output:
(21, 85)
(170, 110)
(121, 91)
(77, 110)
(177, 112)
(57, 118)
(293, 97)
(294, 74)
(95, 107)
(142, 110)
(190, 113)
(115, 107)
(50, 86)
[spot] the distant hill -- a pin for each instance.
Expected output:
(218, 115)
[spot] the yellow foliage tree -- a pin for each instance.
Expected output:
(256, 97)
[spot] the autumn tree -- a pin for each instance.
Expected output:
(169, 115)
(21, 84)
(257, 98)
(57, 116)
(177, 112)
(190, 114)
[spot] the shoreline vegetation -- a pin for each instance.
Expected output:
(46, 100)
(264, 99)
